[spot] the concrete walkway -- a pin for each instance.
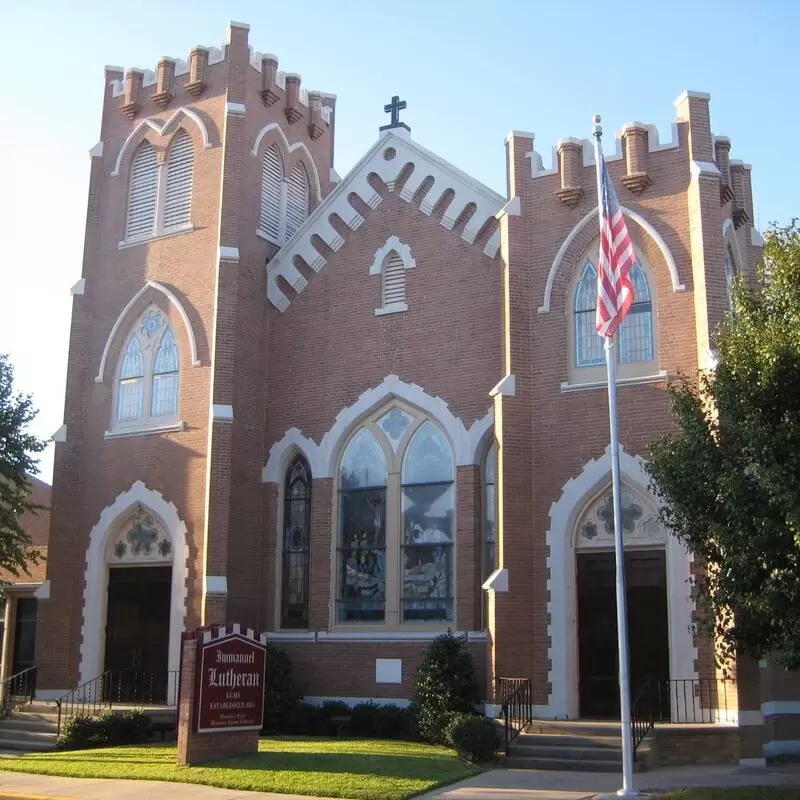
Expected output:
(497, 784)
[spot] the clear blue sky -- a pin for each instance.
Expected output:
(470, 71)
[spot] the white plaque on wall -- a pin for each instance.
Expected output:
(388, 670)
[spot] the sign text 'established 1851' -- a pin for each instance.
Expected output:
(230, 691)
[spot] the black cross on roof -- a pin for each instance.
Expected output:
(394, 108)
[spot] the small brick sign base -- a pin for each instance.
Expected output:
(221, 693)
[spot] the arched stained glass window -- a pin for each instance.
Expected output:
(165, 377)
(296, 544)
(130, 391)
(636, 332)
(588, 345)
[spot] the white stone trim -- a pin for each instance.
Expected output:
(221, 412)
(235, 109)
(505, 387)
(392, 308)
(79, 287)
(774, 708)
(519, 135)
(61, 434)
(292, 636)
(467, 442)
(779, 747)
(243, 25)
(178, 230)
(689, 93)
(228, 254)
(705, 169)
(561, 585)
(729, 237)
(43, 592)
(96, 576)
(646, 227)
(334, 176)
(310, 165)
(658, 377)
(50, 694)
(753, 763)
(466, 190)
(159, 287)
(497, 581)
(750, 718)
(215, 584)
(402, 250)
(97, 150)
(163, 129)
(391, 636)
(144, 430)
(513, 208)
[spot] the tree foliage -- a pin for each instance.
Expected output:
(18, 449)
(729, 477)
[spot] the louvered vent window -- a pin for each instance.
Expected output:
(271, 191)
(143, 193)
(178, 200)
(296, 200)
(394, 280)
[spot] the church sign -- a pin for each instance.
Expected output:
(230, 683)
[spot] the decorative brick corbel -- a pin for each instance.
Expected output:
(722, 150)
(292, 110)
(133, 87)
(269, 85)
(316, 127)
(198, 66)
(165, 76)
(570, 155)
(637, 178)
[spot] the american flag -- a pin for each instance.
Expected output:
(614, 287)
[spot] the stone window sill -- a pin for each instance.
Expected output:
(163, 234)
(658, 377)
(394, 308)
(144, 430)
(266, 237)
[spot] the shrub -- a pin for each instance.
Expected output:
(447, 723)
(282, 698)
(445, 682)
(369, 720)
(475, 738)
(79, 732)
(306, 720)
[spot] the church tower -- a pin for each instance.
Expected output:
(193, 188)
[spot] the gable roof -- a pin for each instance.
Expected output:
(380, 160)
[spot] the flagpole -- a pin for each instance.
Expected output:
(627, 789)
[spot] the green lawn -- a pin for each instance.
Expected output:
(740, 793)
(360, 769)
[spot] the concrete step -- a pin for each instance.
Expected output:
(577, 753)
(562, 764)
(32, 716)
(564, 740)
(22, 722)
(27, 735)
(39, 746)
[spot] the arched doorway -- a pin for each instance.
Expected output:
(139, 559)
(647, 601)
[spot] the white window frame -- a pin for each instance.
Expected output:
(159, 231)
(392, 246)
(283, 198)
(146, 423)
(394, 453)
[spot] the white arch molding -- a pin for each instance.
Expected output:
(562, 589)
(290, 148)
(399, 247)
(677, 286)
(467, 442)
(162, 129)
(159, 287)
(95, 593)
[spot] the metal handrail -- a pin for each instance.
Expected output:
(18, 690)
(642, 716)
(86, 700)
(516, 701)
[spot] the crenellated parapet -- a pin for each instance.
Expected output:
(135, 86)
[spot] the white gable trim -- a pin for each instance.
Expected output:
(380, 160)
(677, 286)
(562, 589)
(162, 129)
(96, 576)
(290, 148)
(159, 287)
(468, 443)
(401, 248)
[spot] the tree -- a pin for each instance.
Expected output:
(729, 477)
(17, 461)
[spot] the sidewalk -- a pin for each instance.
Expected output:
(497, 784)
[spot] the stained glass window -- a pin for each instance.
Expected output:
(296, 544)
(636, 331)
(130, 391)
(165, 377)
(490, 510)
(362, 531)
(428, 500)
(588, 345)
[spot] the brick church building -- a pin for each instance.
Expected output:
(355, 412)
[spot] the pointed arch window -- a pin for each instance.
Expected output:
(490, 511)
(635, 335)
(396, 522)
(148, 380)
(296, 544)
(160, 195)
(285, 203)
(730, 274)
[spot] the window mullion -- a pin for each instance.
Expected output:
(394, 526)
(282, 212)
(161, 192)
